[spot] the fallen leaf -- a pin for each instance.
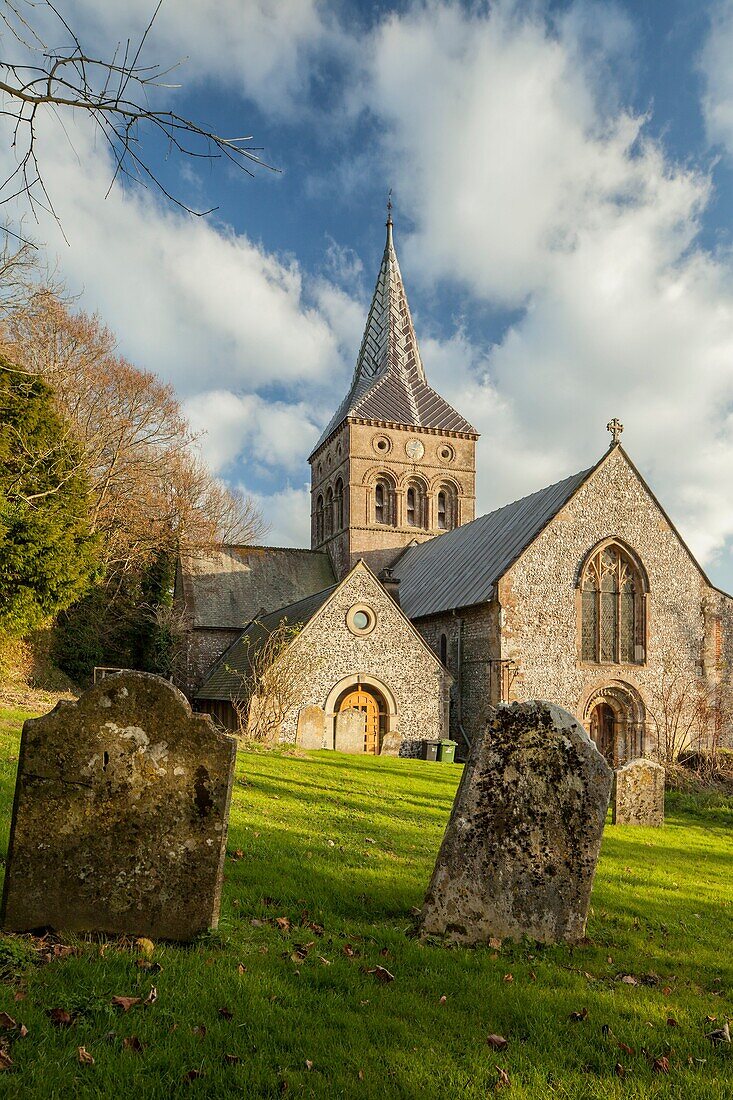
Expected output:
(20, 995)
(60, 1017)
(241, 969)
(85, 1057)
(125, 1003)
(193, 1075)
(495, 942)
(667, 990)
(232, 1059)
(132, 1043)
(308, 1064)
(200, 1030)
(226, 1013)
(497, 1042)
(381, 974)
(503, 1080)
(619, 1070)
(318, 929)
(326, 962)
(629, 979)
(349, 951)
(661, 1065)
(720, 1035)
(627, 1049)
(711, 1019)
(238, 853)
(443, 999)
(576, 1016)
(6, 1062)
(7, 1023)
(508, 978)
(283, 923)
(671, 1022)
(360, 1075)
(532, 976)
(152, 996)
(145, 946)
(23, 1031)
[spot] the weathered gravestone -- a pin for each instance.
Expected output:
(391, 743)
(120, 815)
(350, 731)
(311, 727)
(520, 851)
(638, 794)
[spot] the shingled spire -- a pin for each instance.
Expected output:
(389, 384)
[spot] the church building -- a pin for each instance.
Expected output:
(420, 617)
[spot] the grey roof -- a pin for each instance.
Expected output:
(460, 568)
(225, 589)
(234, 666)
(389, 382)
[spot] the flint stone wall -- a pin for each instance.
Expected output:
(520, 850)
(120, 815)
(638, 794)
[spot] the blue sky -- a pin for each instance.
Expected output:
(563, 189)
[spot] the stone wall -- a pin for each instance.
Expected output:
(392, 655)
(540, 628)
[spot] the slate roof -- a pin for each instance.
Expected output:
(226, 589)
(461, 567)
(389, 383)
(233, 666)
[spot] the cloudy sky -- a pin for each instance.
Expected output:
(562, 175)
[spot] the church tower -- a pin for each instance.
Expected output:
(396, 463)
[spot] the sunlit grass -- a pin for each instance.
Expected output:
(343, 847)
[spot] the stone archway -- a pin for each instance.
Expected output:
(346, 692)
(614, 715)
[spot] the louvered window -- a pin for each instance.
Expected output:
(612, 609)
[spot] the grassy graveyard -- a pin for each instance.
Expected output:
(327, 856)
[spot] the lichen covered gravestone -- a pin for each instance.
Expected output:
(311, 727)
(120, 815)
(638, 794)
(520, 851)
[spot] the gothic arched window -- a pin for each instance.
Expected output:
(383, 502)
(319, 519)
(339, 502)
(329, 513)
(612, 608)
(447, 508)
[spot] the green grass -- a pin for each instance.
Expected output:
(348, 844)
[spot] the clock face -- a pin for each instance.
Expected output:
(414, 449)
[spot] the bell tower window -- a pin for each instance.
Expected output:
(383, 502)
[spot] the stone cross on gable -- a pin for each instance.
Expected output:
(615, 427)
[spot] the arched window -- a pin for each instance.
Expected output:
(612, 603)
(329, 513)
(319, 520)
(339, 501)
(415, 505)
(446, 508)
(410, 510)
(444, 648)
(383, 502)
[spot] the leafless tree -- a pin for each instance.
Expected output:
(279, 669)
(688, 714)
(116, 93)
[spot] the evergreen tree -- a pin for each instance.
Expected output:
(48, 555)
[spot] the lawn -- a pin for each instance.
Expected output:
(327, 856)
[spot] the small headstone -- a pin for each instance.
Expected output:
(638, 794)
(520, 851)
(120, 815)
(391, 743)
(350, 731)
(311, 727)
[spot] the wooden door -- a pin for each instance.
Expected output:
(603, 730)
(367, 704)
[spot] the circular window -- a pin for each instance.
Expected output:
(361, 620)
(446, 453)
(382, 445)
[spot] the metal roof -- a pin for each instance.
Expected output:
(389, 382)
(234, 666)
(461, 567)
(226, 588)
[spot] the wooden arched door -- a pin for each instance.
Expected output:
(603, 730)
(363, 700)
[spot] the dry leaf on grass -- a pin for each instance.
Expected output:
(283, 923)
(627, 1049)
(508, 978)
(661, 1065)
(145, 946)
(619, 1070)
(60, 1017)
(133, 1044)
(6, 1062)
(226, 1013)
(232, 1059)
(381, 974)
(671, 1022)
(125, 1003)
(193, 1075)
(503, 1081)
(7, 1023)
(308, 1064)
(497, 1042)
(85, 1057)
(199, 1030)
(577, 1016)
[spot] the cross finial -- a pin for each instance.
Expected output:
(615, 427)
(389, 207)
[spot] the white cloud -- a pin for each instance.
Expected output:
(530, 187)
(288, 514)
(715, 65)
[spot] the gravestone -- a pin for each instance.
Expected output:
(350, 731)
(391, 743)
(638, 794)
(311, 727)
(520, 850)
(120, 815)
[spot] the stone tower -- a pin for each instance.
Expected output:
(396, 463)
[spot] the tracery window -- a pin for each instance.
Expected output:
(339, 502)
(383, 502)
(612, 608)
(319, 519)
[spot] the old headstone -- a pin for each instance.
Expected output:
(120, 815)
(520, 851)
(391, 743)
(311, 727)
(638, 794)
(350, 731)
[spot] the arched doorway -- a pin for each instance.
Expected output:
(372, 705)
(603, 730)
(614, 716)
